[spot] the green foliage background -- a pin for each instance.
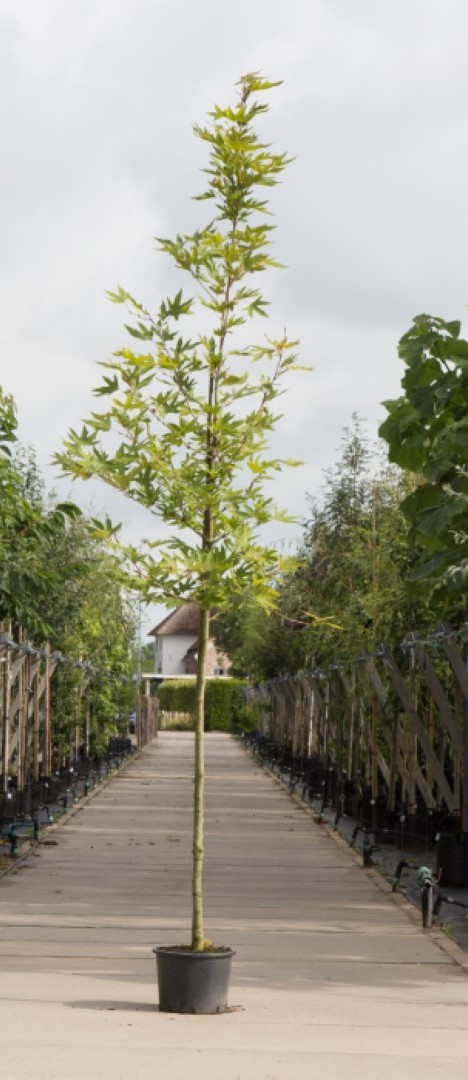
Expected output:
(349, 591)
(60, 586)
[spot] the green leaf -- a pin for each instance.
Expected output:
(434, 520)
(70, 510)
(434, 567)
(425, 496)
(408, 456)
(109, 386)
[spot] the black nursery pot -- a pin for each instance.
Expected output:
(193, 982)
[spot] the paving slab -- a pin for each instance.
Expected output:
(332, 977)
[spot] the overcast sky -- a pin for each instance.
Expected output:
(98, 99)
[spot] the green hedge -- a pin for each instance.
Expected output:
(177, 696)
(223, 701)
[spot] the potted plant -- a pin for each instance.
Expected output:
(190, 418)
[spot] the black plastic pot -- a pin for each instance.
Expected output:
(193, 982)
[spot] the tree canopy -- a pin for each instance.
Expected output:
(185, 433)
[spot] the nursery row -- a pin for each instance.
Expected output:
(37, 739)
(384, 737)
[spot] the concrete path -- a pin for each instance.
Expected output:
(331, 979)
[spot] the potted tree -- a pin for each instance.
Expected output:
(189, 419)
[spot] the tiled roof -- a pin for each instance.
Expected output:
(184, 620)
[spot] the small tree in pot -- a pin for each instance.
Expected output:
(190, 416)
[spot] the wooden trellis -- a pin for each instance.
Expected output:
(25, 701)
(25, 710)
(397, 728)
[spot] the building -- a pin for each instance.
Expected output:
(176, 646)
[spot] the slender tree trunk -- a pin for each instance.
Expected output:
(21, 721)
(374, 759)
(87, 725)
(6, 696)
(36, 720)
(394, 762)
(25, 752)
(46, 744)
(198, 851)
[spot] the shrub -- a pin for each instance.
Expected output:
(223, 701)
(177, 696)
